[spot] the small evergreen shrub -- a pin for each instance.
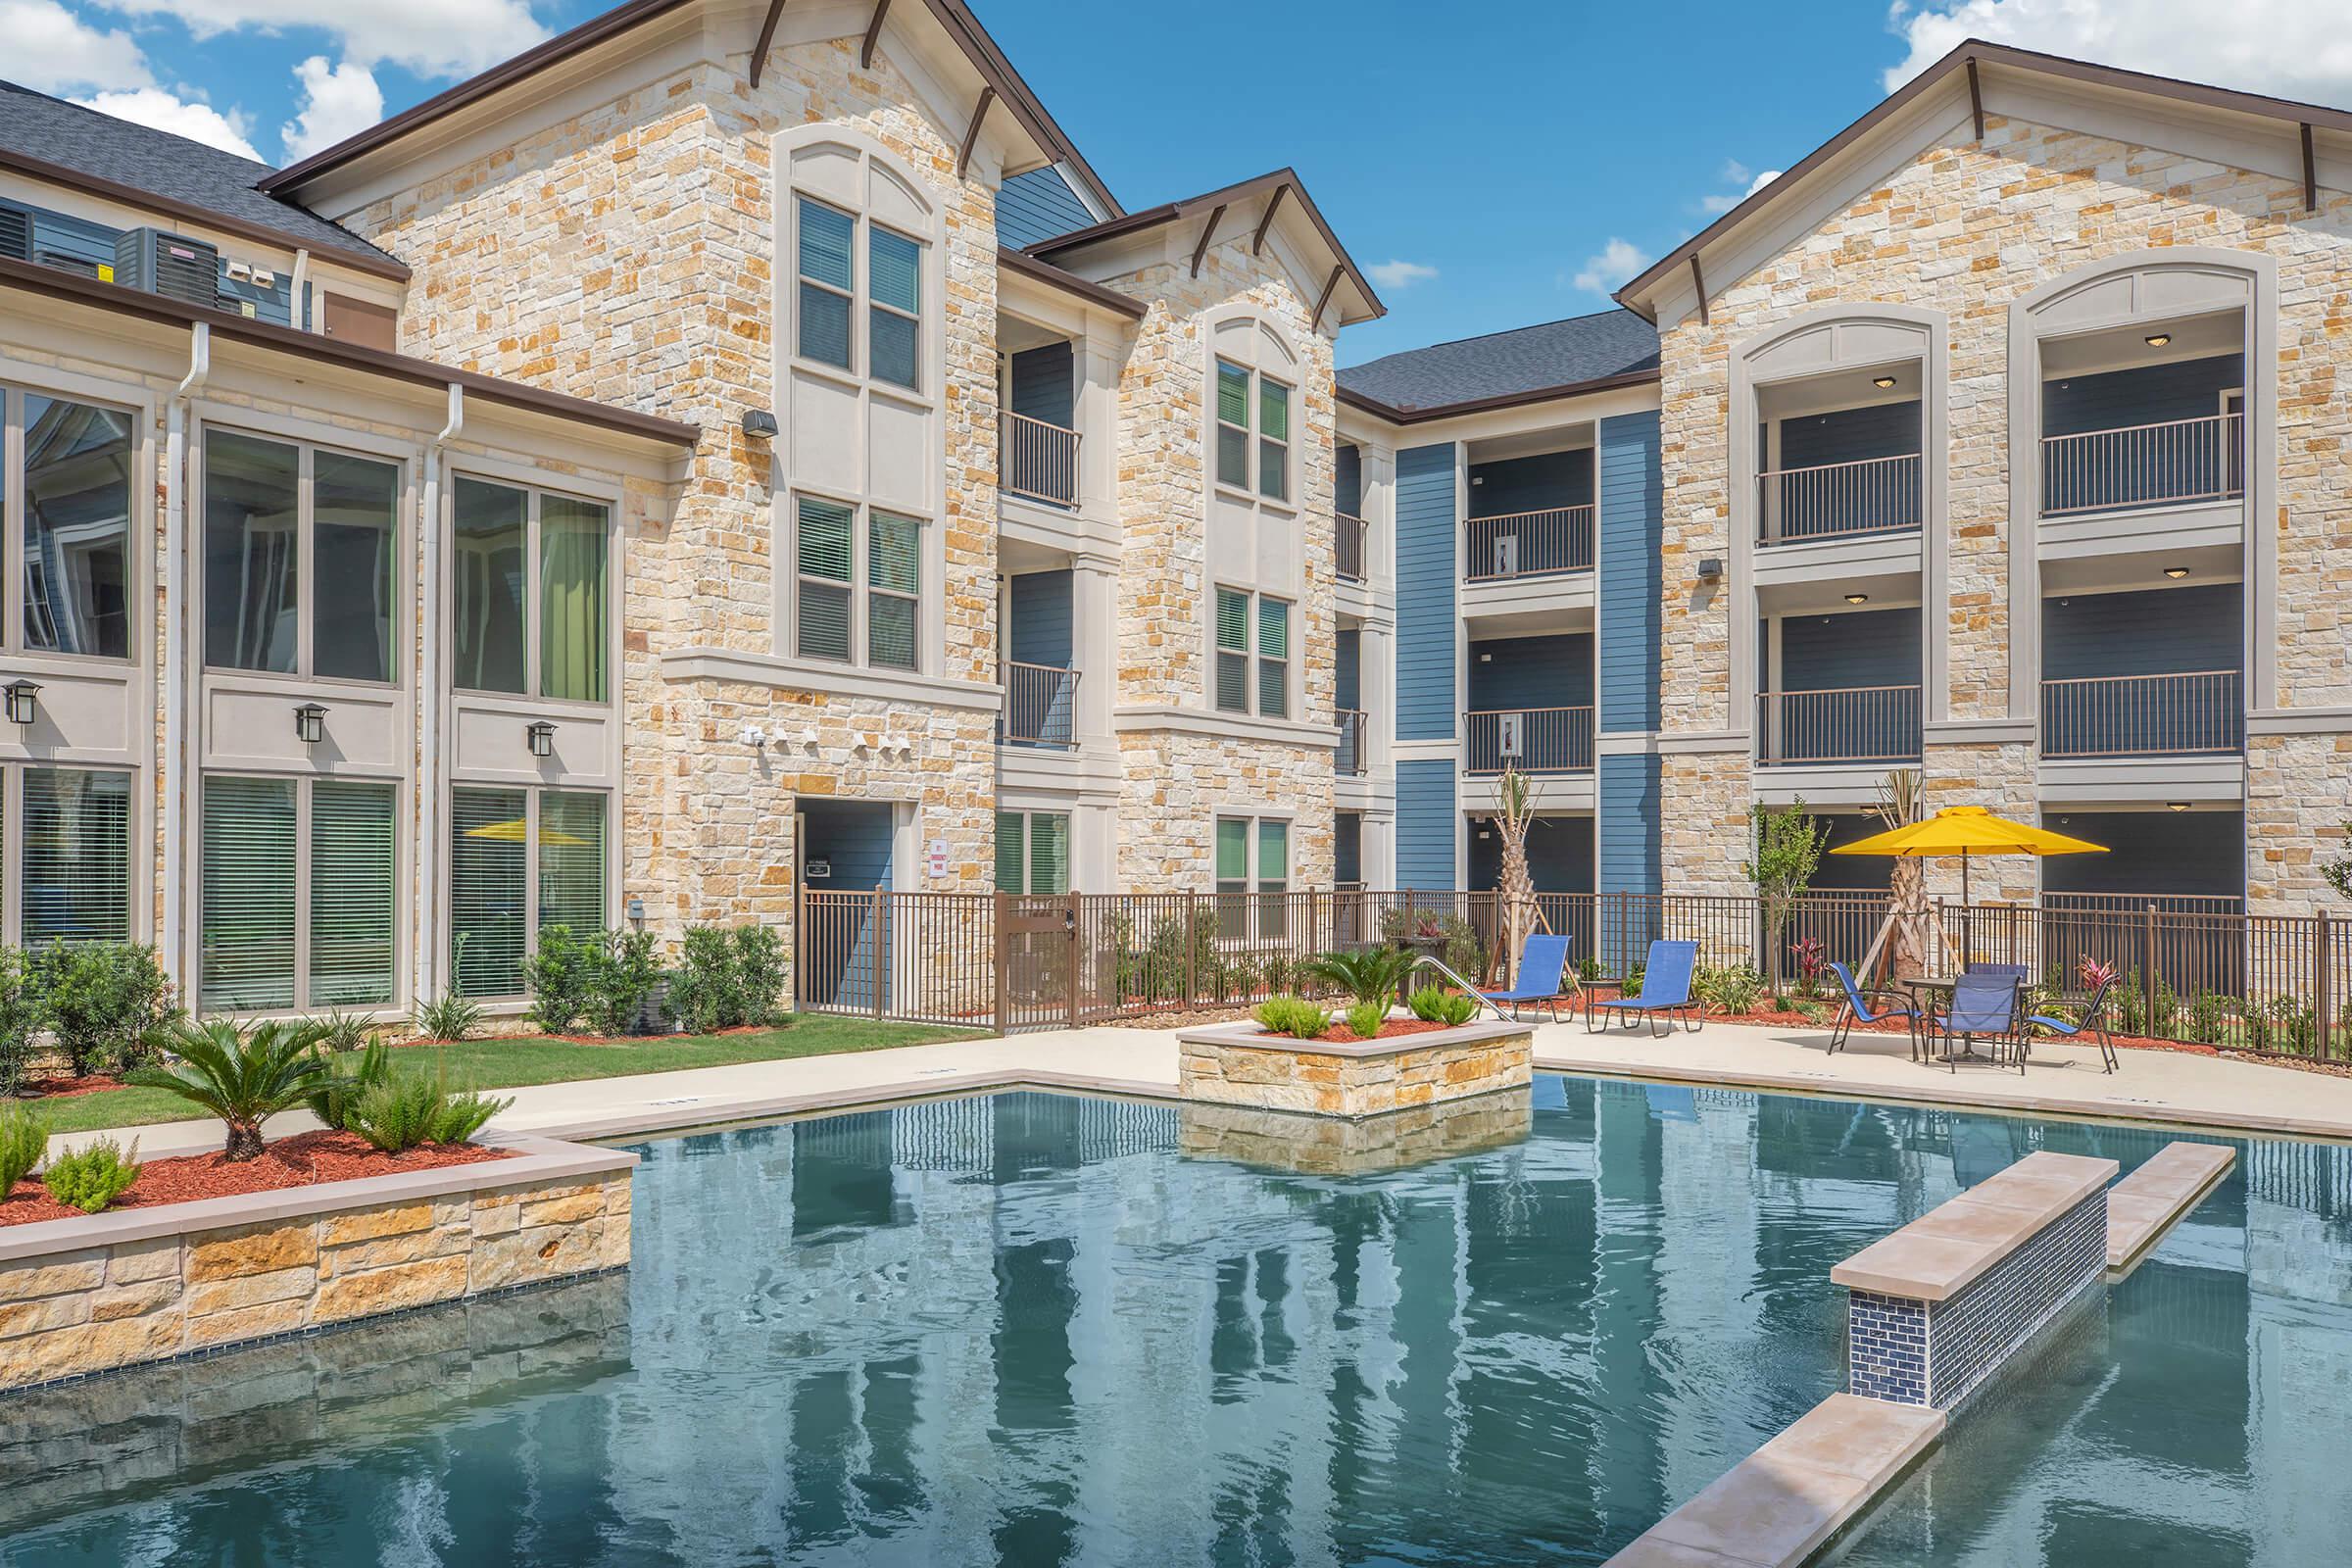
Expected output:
(1731, 991)
(1366, 1017)
(349, 1075)
(1294, 1017)
(20, 1022)
(24, 1140)
(91, 1178)
(107, 1002)
(727, 977)
(1368, 974)
(447, 1017)
(1436, 1005)
(397, 1116)
(621, 980)
(561, 975)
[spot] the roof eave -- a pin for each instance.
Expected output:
(1093, 293)
(1427, 413)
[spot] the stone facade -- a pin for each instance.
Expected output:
(1333, 1145)
(1242, 1065)
(87, 1304)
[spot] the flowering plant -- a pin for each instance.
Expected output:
(2093, 973)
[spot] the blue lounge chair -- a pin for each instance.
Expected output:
(1984, 1006)
(1858, 1005)
(1665, 989)
(2093, 1022)
(2007, 971)
(1543, 967)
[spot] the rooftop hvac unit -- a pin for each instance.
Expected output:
(170, 265)
(16, 233)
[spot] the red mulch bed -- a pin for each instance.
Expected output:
(302, 1160)
(68, 1088)
(1339, 1034)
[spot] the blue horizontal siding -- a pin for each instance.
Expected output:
(1508, 672)
(1630, 860)
(1037, 206)
(2191, 389)
(1632, 580)
(1349, 480)
(1835, 653)
(1427, 818)
(1347, 658)
(2162, 631)
(1427, 629)
(2151, 853)
(1348, 847)
(1041, 618)
(1531, 484)
(1559, 855)
(1849, 436)
(1042, 384)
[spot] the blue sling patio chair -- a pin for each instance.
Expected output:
(1542, 968)
(1984, 1005)
(2092, 1021)
(1665, 991)
(1889, 1004)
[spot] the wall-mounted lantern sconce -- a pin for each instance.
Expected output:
(636, 910)
(1710, 569)
(541, 735)
(309, 722)
(759, 424)
(24, 701)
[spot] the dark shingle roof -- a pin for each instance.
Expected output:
(34, 126)
(1503, 364)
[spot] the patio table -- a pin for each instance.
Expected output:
(1926, 994)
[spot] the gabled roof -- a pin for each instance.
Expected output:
(1972, 58)
(1525, 365)
(953, 16)
(1279, 184)
(81, 149)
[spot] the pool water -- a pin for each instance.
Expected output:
(1031, 1329)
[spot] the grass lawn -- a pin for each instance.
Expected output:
(514, 1063)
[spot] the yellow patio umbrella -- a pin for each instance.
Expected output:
(515, 831)
(1966, 830)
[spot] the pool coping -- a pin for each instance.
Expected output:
(1952, 1245)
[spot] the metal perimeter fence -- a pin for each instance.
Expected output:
(2195, 970)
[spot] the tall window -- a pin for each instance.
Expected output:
(71, 869)
(520, 859)
(1271, 448)
(1238, 615)
(74, 462)
(299, 547)
(1253, 856)
(894, 319)
(300, 893)
(830, 294)
(857, 589)
(1033, 852)
(542, 632)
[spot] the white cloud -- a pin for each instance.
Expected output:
(1618, 261)
(432, 37)
(52, 50)
(1736, 173)
(165, 110)
(1393, 273)
(2287, 48)
(336, 102)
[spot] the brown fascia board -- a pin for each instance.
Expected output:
(57, 283)
(1208, 200)
(359, 261)
(1504, 400)
(961, 25)
(1978, 52)
(1087, 290)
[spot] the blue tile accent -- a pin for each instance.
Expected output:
(1427, 819)
(1041, 618)
(1631, 581)
(1429, 575)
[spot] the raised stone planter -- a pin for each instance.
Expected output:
(81, 1295)
(1332, 1146)
(1241, 1065)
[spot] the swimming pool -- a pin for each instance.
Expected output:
(1036, 1329)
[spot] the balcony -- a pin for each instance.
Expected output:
(1838, 500)
(1533, 740)
(2173, 463)
(1527, 544)
(1852, 725)
(1039, 461)
(1349, 545)
(2196, 714)
(1041, 703)
(1354, 751)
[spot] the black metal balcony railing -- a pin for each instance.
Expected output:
(1869, 495)
(1040, 703)
(2194, 714)
(1354, 753)
(1527, 544)
(1852, 724)
(1040, 460)
(1349, 545)
(2144, 466)
(1535, 740)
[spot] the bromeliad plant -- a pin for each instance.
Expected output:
(241, 1076)
(1812, 958)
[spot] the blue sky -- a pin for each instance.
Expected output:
(1491, 165)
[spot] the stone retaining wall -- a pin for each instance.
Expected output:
(1333, 1145)
(137, 1286)
(1240, 1065)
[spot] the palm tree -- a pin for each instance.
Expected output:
(1902, 802)
(1514, 815)
(243, 1077)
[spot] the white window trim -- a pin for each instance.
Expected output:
(1259, 930)
(1254, 437)
(862, 586)
(1027, 816)
(1254, 657)
(447, 933)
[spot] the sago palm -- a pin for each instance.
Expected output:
(1368, 974)
(241, 1076)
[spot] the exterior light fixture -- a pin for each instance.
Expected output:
(24, 701)
(1857, 598)
(2175, 572)
(541, 736)
(759, 424)
(636, 909)
(1882, 382)
(2175, 805)
(2157, 340)
(309, 722)
(1709, 570)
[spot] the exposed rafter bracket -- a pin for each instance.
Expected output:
(767, 36)
(1976, 99)
(972, 133)
(2310, 173)
(1206, 229)
(1698, 281)
(873, 35)
(1257, 240)
(1329, 285)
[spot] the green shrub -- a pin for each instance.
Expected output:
(447, 1017)
(91, 1178)
(1366, 1017)
(1436, 1005)
(1587, 968)
(1807, 1008)
(561, 975)
(727, 977)
(20, 1022)
(107, 1002)
(1294, 1017)
(1368, 974)
(1730, 991)
(340, 1031)
(1631, 984)
(2131, 1004)
(621, 980)
(24, 1139)
(760, 971)
(241, 1076)
(349, 1075)
(401, 1114)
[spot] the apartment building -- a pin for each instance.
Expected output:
(739, 451)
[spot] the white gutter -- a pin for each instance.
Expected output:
(428, 707)
(175, 610)
(298, 310)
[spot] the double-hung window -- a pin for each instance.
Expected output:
(519, 860)
(1033, 852)
(529, 585)
(858, 591)
(300, 551)
(1240, 689)
(66, 495)
(1254, 854)
(830, 293)
(299, 891)
(1253, 458)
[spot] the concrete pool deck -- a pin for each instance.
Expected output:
(2160, 1086)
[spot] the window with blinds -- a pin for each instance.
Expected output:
(1273, 439)
(488, 891)
(275, 939)
(246, 961)
(1233, 877)
(1033, 852)
(76, 463)
(894, 314)
(821, 560)
(1273, 657)
(1233, 426)
(571, 861)
(827, 285)
(353, 893)
(894, 582)
(74, 883)
(1273, 878)
(1233, 650)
